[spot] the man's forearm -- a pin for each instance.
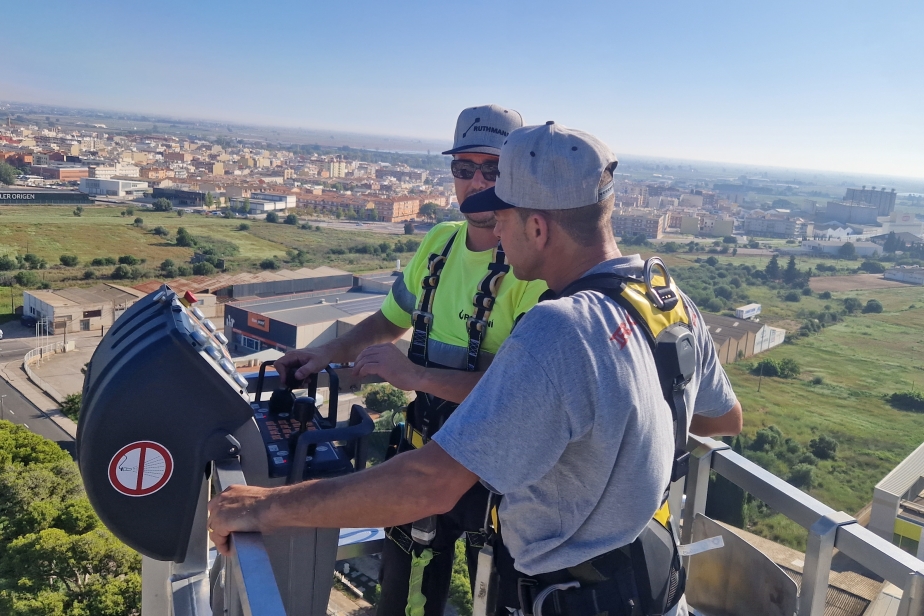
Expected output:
(728, 424)
(451, 385)
(374, 329)
(405, 489)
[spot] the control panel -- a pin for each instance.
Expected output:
(162, 399)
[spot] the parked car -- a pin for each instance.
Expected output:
(1, 334)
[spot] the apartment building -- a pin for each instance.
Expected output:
(629, 222)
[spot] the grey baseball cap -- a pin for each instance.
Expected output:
(548, 167)
(482, 130)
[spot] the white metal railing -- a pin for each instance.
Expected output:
(39, 353)
(828, 529)
(250, 588)
(248, 581)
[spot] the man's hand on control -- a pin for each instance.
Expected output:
(301, 364)
(237, 509)
(389, 363)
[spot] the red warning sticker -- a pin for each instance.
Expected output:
(140, 468)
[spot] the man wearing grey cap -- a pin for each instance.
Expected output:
(578, 438)
(457, 329)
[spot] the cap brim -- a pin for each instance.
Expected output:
(484, 201)
(474, 149)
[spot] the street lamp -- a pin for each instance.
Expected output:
(1, 407)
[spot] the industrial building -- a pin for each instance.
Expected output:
(33, 196)
(79, 310)
(113, 188)
(64, 172)
(851, 212)
(897, 514)
(912, 274)
(833, 247)
(261, 203)
(736, 339)
(296, 321)
(883, 201)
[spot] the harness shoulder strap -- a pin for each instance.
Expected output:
(483, 302)
(422, 318)
(667, 330)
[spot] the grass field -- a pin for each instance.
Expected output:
(102, 231)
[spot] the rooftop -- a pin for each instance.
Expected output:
(305, 309)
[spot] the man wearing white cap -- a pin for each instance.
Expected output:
(457, 329)
(580, 437)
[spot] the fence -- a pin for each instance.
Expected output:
(40, 353)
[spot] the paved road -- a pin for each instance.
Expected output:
(22, 412)
(17, 341)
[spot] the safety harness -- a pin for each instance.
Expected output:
(431, 412)
(644, 577)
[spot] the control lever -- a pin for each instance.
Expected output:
(359, 427)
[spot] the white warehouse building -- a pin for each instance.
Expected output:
(113, 188)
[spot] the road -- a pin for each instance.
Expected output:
(17, 341)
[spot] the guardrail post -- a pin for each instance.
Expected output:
(817, 567)
(698, 483)
(912, 602)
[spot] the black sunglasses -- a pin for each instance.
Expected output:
(465, 169)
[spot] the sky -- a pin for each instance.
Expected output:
(830, 85)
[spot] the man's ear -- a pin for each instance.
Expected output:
(537, 230)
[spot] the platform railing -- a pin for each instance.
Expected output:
(827, 529)
(247, 578)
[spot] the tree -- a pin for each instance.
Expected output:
(7, 263)
(409, 228)
(161, 231)
(730, 239)
(180, 213)
(78, 211)
(852, 304)
(268, 264)
(793, 296)
(183, 238)
(26, 279)
(428, 210)
(71, 405)
(847, 251)
(138, 222)
(162, 205)
(873, 306)
(773, 268)
(121, 272)
(203, 269)
(872, 267)
(209, 200)
(767, 439)
(8, 173)
(68, 260)
(291, 219)
(272, 217)
(824, 447)
(382, 398)
(791, 274)
(802, 476)
(243, 227)
(129, 260)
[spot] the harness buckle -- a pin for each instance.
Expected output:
(427, 317)
(480, 325)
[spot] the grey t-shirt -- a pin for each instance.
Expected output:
(569, 424)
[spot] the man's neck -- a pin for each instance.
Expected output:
(571, 264)
(479, 239)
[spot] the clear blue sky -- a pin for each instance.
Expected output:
(835, 85)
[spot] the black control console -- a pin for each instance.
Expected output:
(162, 399)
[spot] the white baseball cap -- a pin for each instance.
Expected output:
(482, 130)
(547, 167)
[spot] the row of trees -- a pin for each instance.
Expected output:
(56, 558)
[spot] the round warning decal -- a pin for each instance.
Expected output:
(140, 468)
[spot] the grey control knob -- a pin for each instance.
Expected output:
(199, 336)
(213, 353)
(226, 365)
(198, 313)
(209, 326)
(221, 338)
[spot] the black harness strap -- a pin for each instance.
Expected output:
(484, 303)
(422, 318)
